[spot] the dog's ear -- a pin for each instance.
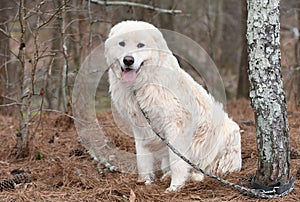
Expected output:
(159, 40)
(125, 27)
(112, 31)
(117, 28)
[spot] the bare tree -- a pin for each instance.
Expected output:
(29, 93)
(24, 95)
(267, 94)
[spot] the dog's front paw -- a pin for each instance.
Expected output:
(197, 177)
(165, 176)
(147, 180)
(173, 188)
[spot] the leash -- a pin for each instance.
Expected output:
(258, 191)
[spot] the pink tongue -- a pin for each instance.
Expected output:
(129, 75)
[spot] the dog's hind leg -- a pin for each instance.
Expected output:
(229, 157)
(231, 161)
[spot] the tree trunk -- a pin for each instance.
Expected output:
(243, 84)
(266, 92)
(24, 94)
(64, 73)
(214, 15)
(53, 88)
(4, 57)
(298, 61)
(7, 8)
(167, 21)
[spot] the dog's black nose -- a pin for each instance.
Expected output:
(128, 60)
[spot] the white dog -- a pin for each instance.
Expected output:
(145, 75)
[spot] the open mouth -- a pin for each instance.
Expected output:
(129, 74)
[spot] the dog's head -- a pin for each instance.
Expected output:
(132, 45)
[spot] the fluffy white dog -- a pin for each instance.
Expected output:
(144, 74)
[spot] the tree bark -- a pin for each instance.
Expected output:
(53, 85)
(266, 92)
(4, 57)
(6, 72)
(298, 62)
(243, 84)
(167, 21)
(24, 91)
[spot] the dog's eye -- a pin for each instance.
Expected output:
(140, 45)
(122, 43)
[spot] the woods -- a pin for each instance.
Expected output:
(44, 43)
(67, 31)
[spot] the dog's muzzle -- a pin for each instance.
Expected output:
(129, 73)
(128, 60)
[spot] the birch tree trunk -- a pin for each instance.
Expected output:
(24, 94)
(65, 68)
(266, 92)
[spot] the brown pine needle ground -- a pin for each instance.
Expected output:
(59, 168)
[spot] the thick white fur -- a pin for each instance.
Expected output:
(179, 108)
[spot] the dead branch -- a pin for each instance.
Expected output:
(9, 98)
(52, 17)
(10, 104)
(133, 4)
(61, 112)
(8, 35)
